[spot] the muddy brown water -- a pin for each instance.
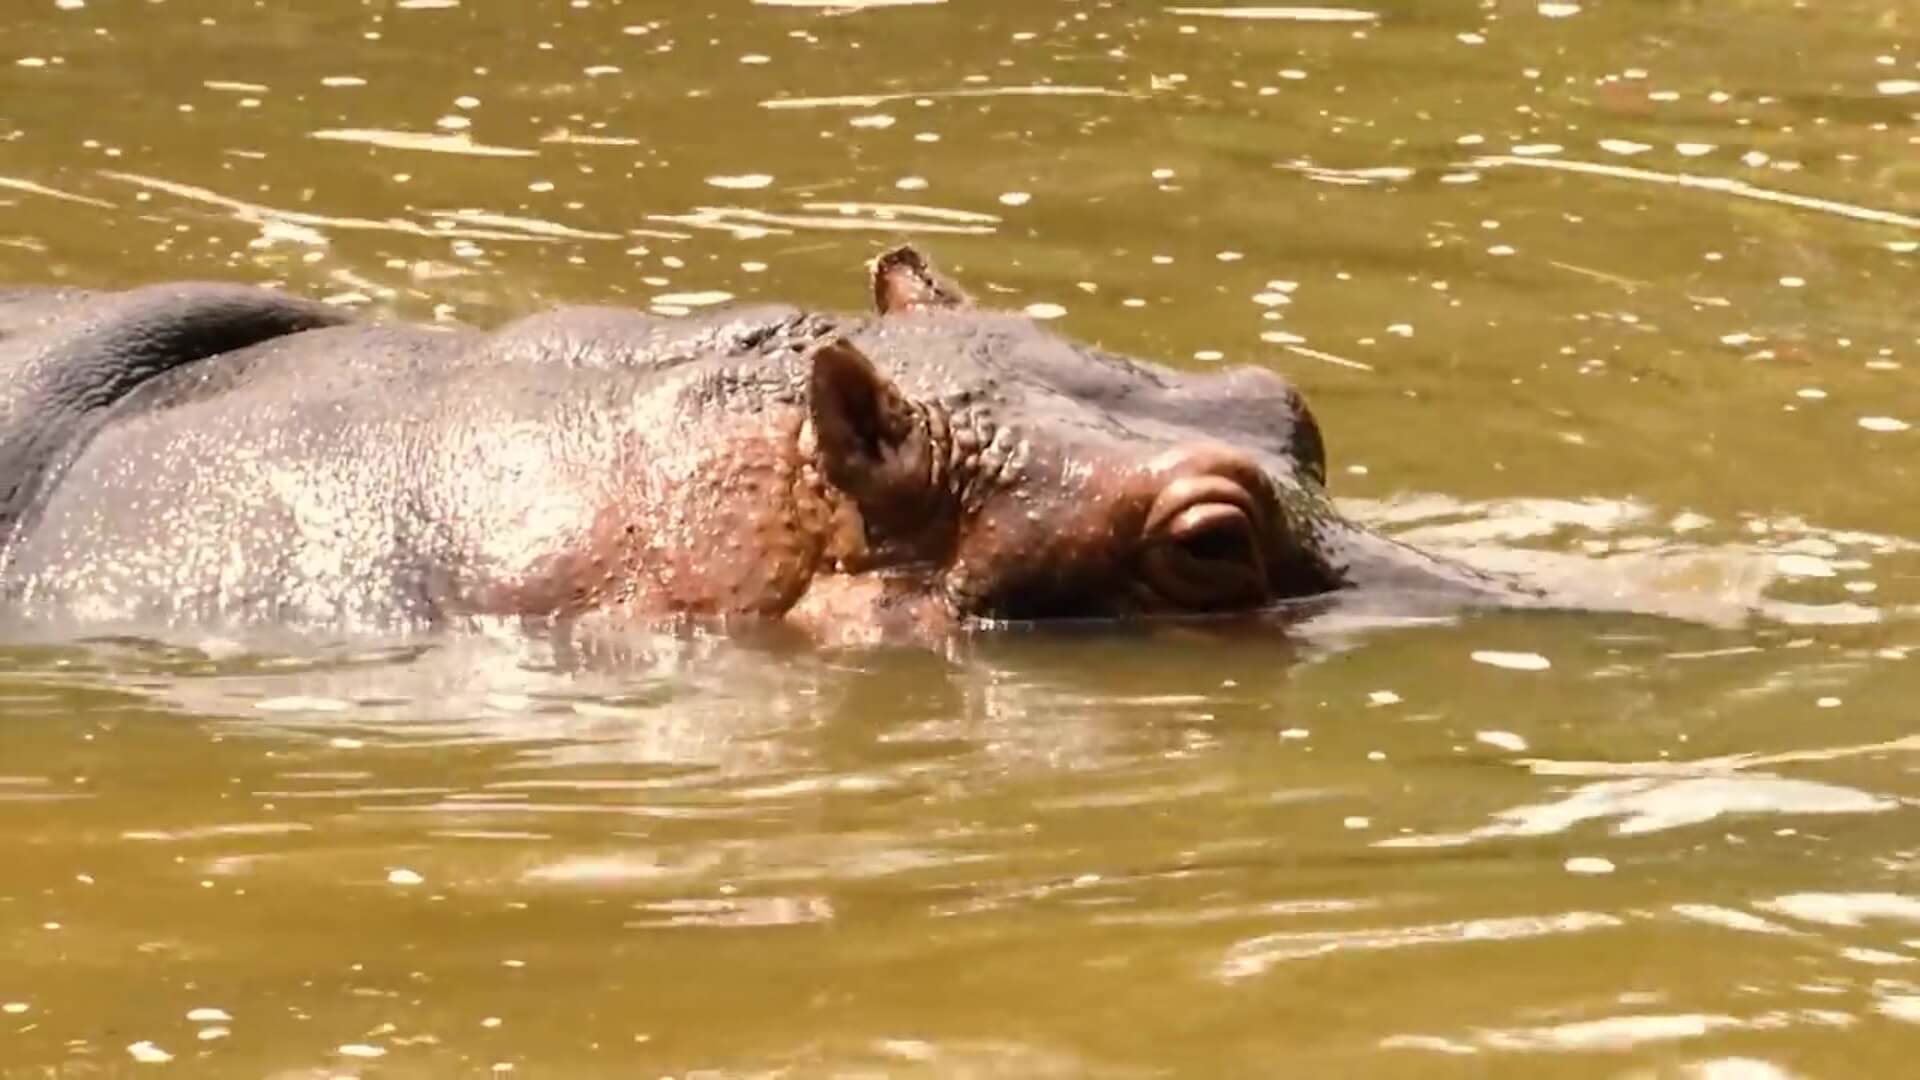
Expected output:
(1617, 293)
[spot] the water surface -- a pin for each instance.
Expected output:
(1615, 294)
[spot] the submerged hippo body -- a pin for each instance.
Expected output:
(215, 454)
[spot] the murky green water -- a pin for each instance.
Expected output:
(1618, 293)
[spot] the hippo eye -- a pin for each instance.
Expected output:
(1203, 550)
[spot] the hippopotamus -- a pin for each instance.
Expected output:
(225, 454)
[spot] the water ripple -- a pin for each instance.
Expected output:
(1255, 956)
(1649, 805)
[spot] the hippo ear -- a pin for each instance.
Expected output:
(874, 443)
(903, 280)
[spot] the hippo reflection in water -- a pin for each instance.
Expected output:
(223, 454)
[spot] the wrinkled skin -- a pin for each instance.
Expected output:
(215, 454)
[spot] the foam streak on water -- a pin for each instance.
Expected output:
(1283, 14)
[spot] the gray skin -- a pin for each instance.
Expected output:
(905, 474)
(67, 355)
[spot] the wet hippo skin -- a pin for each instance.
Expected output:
(206, 454)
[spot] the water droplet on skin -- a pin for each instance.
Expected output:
(1044, 311)
(1015, 198)
(1589, 864)
(209, 1015)
(1383, 697)
(403, 876)
(1882, 423)
(361, 1050)
(1828, 703)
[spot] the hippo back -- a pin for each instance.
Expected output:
(66, 355)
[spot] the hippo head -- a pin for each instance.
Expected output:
(993, 470)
